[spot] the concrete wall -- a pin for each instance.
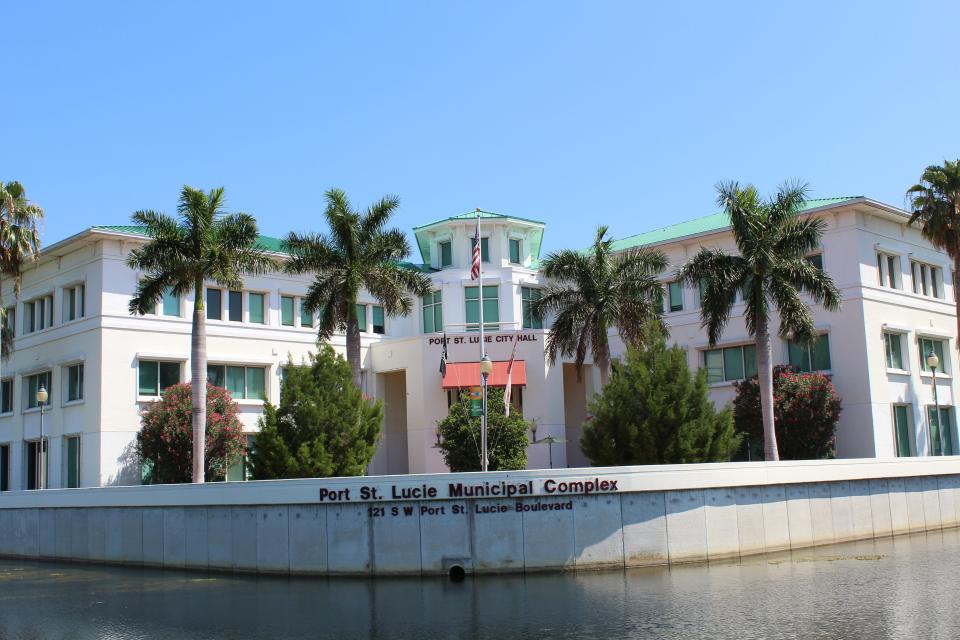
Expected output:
(654, 515)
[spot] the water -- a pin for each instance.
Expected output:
(904, 587)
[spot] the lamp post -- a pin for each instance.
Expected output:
(933, 362)
(42, 397)
(486, 367)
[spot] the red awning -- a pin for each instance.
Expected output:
(467, 374)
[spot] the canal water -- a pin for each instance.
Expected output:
(905, 587)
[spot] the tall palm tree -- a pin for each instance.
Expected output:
(201, 243)
(595, 290)
(358, 253)
(935, 207)
(770, 273)
(19, 244)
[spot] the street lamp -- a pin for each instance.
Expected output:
(42, 397)
(933, 362)
(486, 368)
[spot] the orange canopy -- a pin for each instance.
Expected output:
(467, 374)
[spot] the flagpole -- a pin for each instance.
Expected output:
(484, 459)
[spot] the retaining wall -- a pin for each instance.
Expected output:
(555, 520)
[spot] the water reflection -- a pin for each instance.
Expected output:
(895, 588)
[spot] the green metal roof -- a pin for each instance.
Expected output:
(264, 242)
(706, 224)
(423, 240)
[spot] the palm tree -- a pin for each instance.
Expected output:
(595, 290)
(19, 244)
(770, 273)
(935, 207)
(359, 253)
(202, 243)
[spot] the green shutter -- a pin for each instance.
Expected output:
(256, 308)
(255, 383)
(147, 379)
(286, 311)
(236, 383)
(713, 361)
(733, 363)
(901, 423)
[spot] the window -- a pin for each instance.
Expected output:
(38, 314)
(10, 321)
(446, 254)
(4, 467)
(892, 343)
(33, 385)
(675, 296)
(514, 251)
(936, 346)
(71, 448)
(888, 270)
(75, 383)
(491, 308)
(730, 363)
(34, 465)
(74, 305)
(156, 375)
(286, 311)
(243, 383)
(214, 304)
(379, 322)
(943, 431)
(6, 396)
(484, 248)
(29, 317)
(171, 303)
(810, 358)
(241, 470)
(235, 306)
(528, 296)
(432, 304)
(702, 285)
(902, 431)
(927, 279)
(306, 316)
(256, 303)
(362, 317)
(816, 260)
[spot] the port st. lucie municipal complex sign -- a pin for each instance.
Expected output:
(458, 490)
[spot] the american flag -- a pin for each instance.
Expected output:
(475, 267)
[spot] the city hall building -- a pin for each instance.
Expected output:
(102, 366)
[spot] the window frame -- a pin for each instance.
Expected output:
(445, 261)
(169, 297)
(487, 325)
(210, 307)
(809, 350)
(226, 366)
(527, 299)
(31, 403)
(436, 300)
(373, 320)
(234, 295)
(889, 266)
(159, 387)
(931, 410)
(74, 306)
(484, 248)
(293, 311)
(264, 307)
(67, 438)
(511, 243)
(70, 368)
(946, 362)
(669, 306)
(888, 336)
(911, 440)
(8, 396)
(722, 350)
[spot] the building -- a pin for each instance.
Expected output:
(74, 335)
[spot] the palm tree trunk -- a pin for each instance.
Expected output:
(603, 363)
(765, 375)
(198, 383)
(353, 344)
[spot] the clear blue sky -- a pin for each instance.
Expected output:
(575, 113)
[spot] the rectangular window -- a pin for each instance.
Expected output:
(491, 308)
(29, 317)
(306, 316)
(810, 358)
(4, 467)
(40, 313)
(432, 304)
(241, 470)
(888, 270)
(154, 376)
(74, 306)
(816, 260)
(6, 396)
(243, 383)
(892, 343)
(214, 304)
(286, 311)
(514, 251)
(484, 248)
(675, 301)
(379, 322)
(730, 363)
(33, 465)
(702, 289)
(75, 383)
(902, 430)
(235, 306)
(33, 385)
(171, 303)
(255, 301)
(927, 279)
(10, 321)
(446, 254)
(362, 317)
(932, 345)
(528, 297)
(943, 431)
(72, 462)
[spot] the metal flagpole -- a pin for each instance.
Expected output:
(478, 249)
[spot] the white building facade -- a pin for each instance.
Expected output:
(102, 366)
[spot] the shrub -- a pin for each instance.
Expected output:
(506, 436)
(323, 427)
(806, 409)
(165, 441)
